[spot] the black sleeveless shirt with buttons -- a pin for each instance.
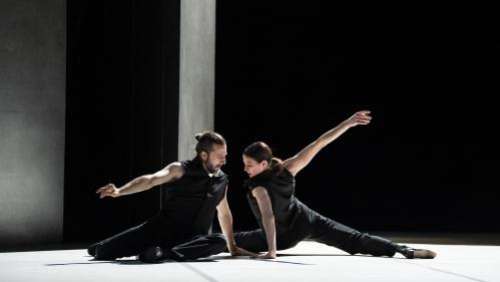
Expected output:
(190, 202)
(280, 187)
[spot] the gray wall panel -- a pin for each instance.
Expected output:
(197, 72)
(32, 111)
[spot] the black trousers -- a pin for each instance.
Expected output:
(157, 232)
(314, 226)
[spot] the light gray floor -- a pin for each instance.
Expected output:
(308, 261)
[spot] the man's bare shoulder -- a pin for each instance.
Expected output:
(176, 169)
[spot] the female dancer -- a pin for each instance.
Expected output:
(285, 221)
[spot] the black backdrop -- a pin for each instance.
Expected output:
(284, 75)
(428, 162)
(122, 116)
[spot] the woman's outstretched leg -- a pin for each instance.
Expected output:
(332, 233)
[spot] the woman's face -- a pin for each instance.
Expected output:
(252, 167)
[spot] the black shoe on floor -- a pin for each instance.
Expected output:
(91, 250)
(152, 255)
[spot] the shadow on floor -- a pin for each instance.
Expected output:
(129, 262)
(211, 259)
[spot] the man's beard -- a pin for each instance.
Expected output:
(210, 168)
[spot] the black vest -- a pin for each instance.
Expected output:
(281, 189)
(190, 202)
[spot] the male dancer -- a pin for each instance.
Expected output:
(180, 231)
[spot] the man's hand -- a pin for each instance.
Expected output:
(109, 190)
(358, 118)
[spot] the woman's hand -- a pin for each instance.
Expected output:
(269, 255)
(237, 251)
(358, 118)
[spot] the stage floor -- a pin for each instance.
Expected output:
(308, 261)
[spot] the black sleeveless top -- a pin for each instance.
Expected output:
(190, 202)
(281, 189)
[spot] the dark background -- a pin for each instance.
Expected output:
(122, 68)
(284, 75)
(428, 162)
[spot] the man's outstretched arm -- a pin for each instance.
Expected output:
(168, 174)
